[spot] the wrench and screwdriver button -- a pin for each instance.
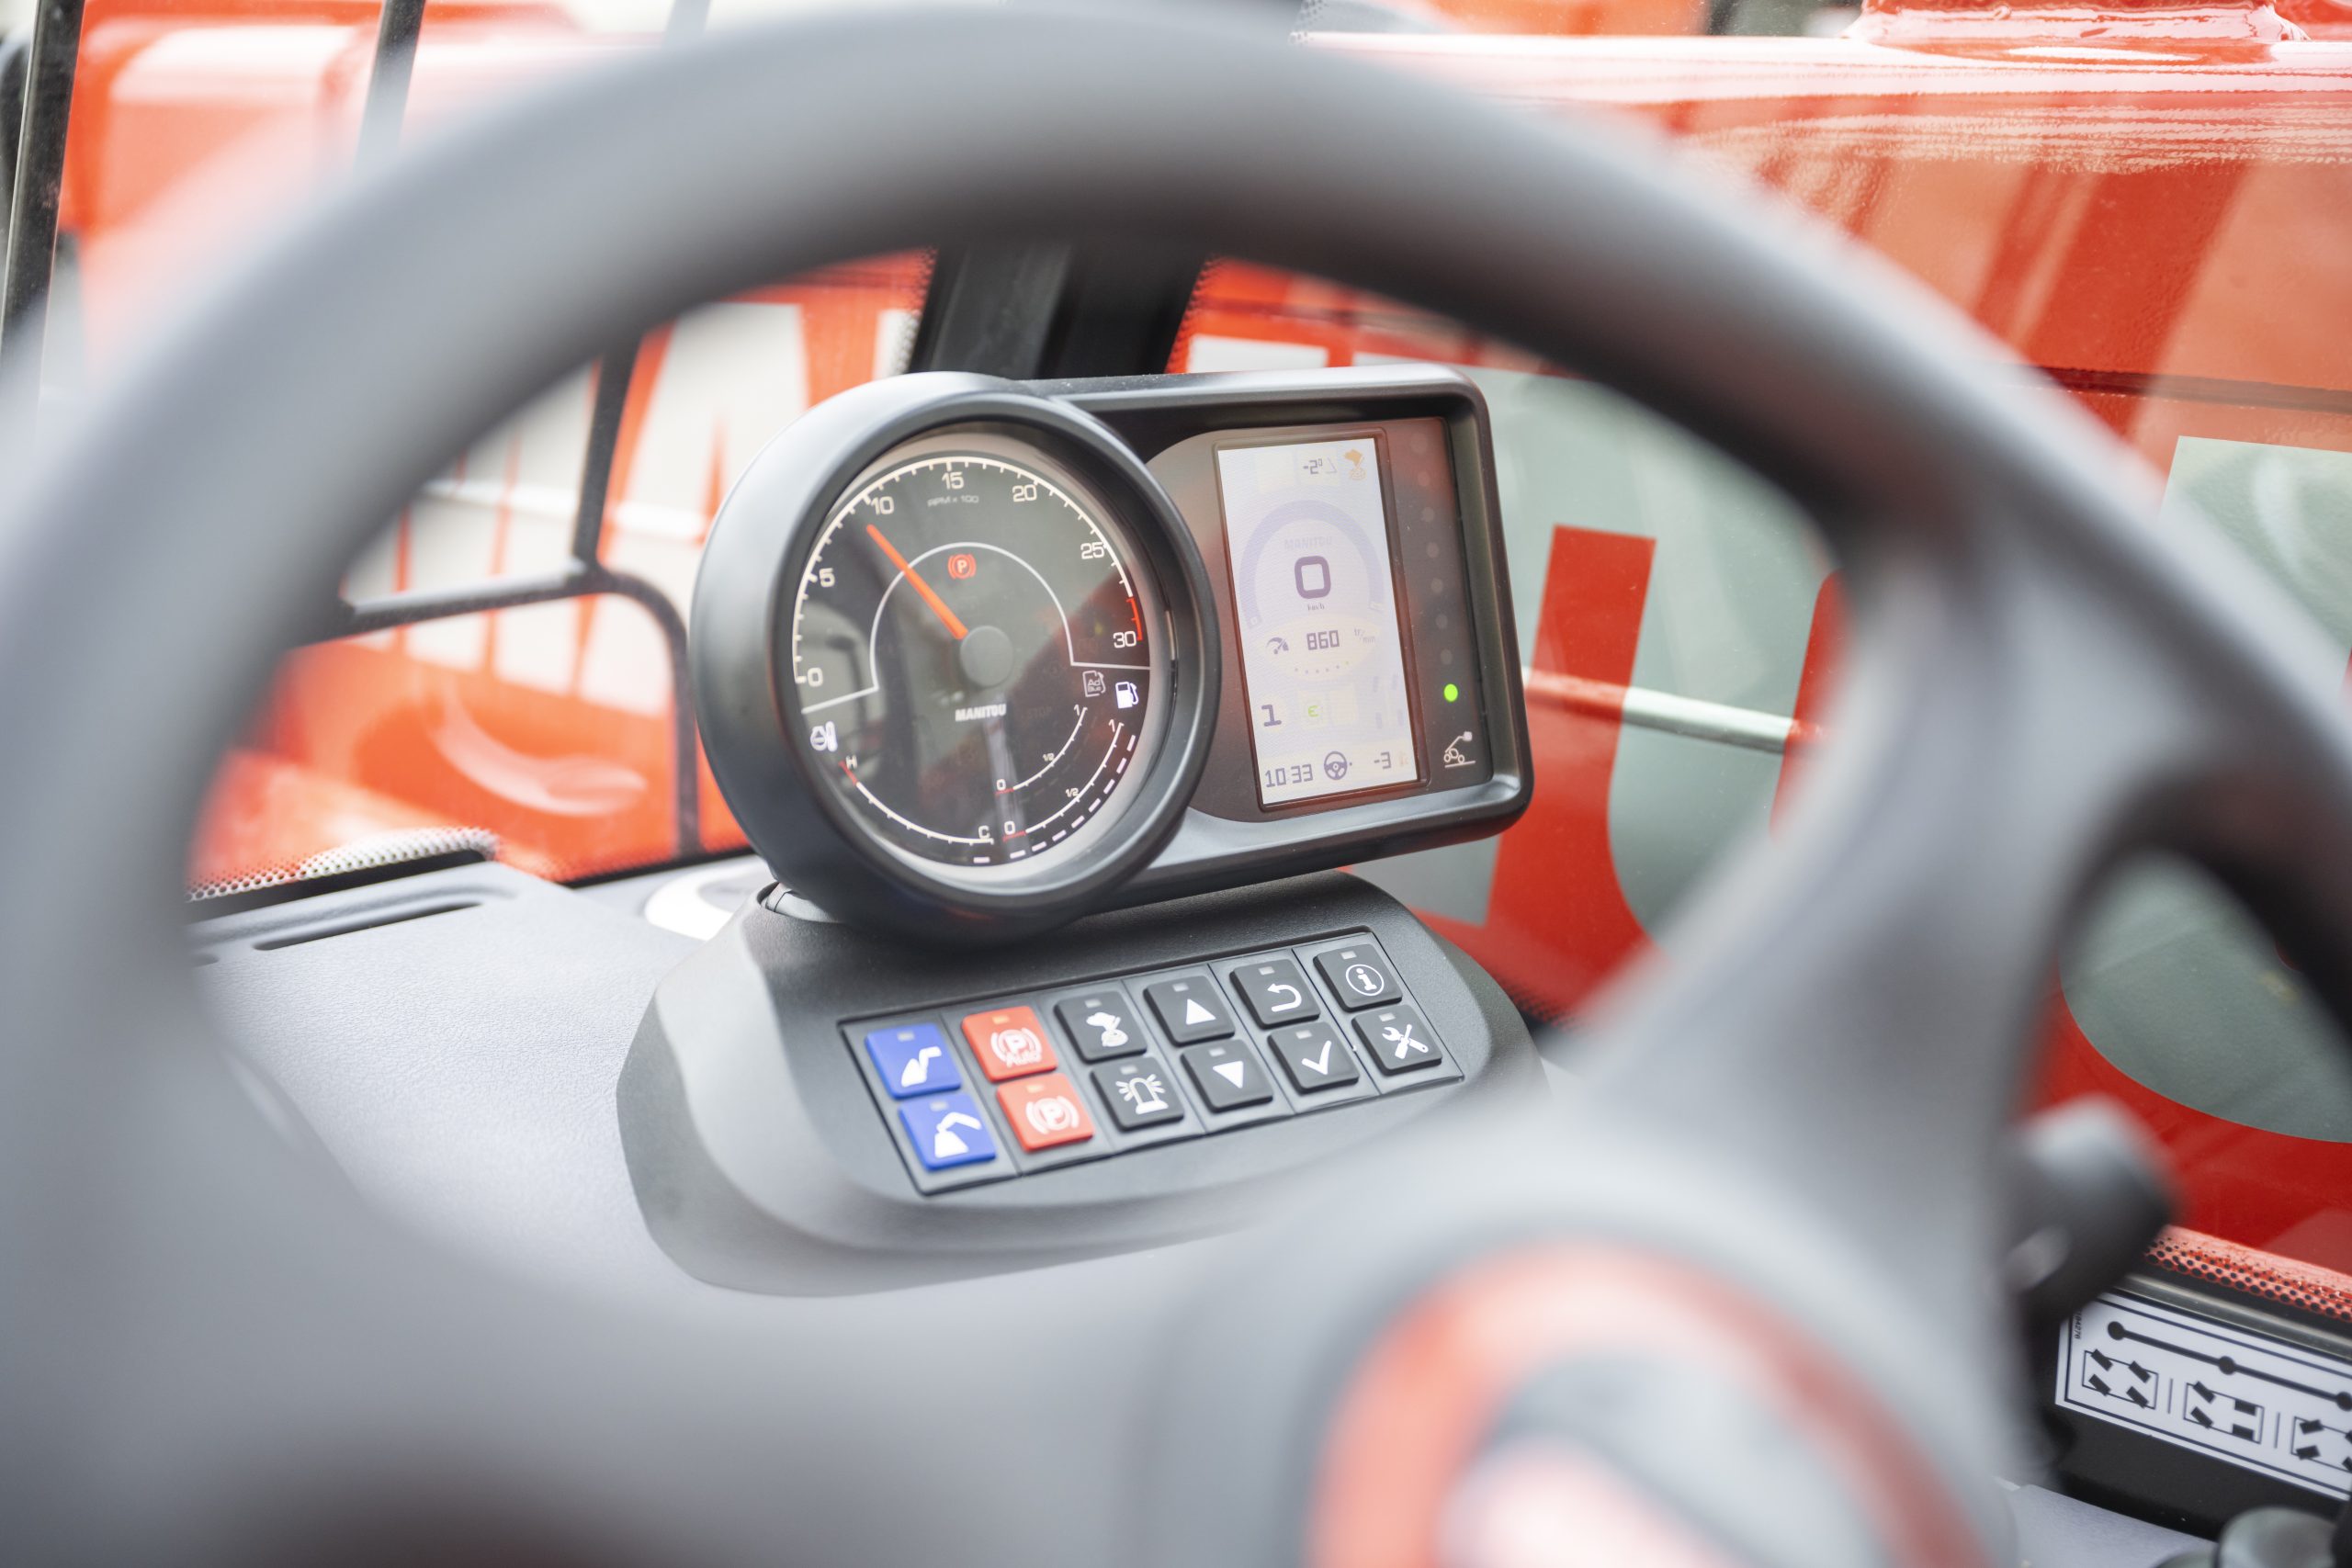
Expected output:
(1399, 1039)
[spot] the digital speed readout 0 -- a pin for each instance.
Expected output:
(1314, 601)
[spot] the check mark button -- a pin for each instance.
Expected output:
(1314, 1057)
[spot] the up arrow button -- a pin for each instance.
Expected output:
(1189, 1008)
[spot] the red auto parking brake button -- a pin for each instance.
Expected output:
(1010, 1043)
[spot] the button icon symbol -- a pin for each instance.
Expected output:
(824, 738)
(918, 1067)
(913, 1060)
(1123, 693)
(961, 565)
(1316, 1058)
(948, 1132)
(1010, 1043)
(1145, 1094)
(1100, 1024)
(1045, 1112)
(1138, 1094)
(1402, 1038)
(1335, 766)
(1274, 990)
(1227, 1077)
(1359, 975)
(1454, 756)
(1092, 682)
(1188, 1010)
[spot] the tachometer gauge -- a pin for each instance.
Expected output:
(953, 657)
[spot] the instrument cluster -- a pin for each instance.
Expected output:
(974, 658)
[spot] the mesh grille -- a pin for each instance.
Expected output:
(371, 854)
(2283, 1281)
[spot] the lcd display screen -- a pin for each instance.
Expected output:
(1315, 598)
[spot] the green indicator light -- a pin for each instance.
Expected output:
(1452, 691)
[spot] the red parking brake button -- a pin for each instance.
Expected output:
(1046, 1111)
(1010, 1043)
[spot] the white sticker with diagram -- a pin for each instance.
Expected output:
(2263, 1403)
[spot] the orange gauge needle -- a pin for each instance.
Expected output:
(938, 606)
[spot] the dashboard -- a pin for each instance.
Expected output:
(1124, 660)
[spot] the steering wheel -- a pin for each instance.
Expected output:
(1758, 1241)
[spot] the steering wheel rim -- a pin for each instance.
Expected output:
(180, 1286)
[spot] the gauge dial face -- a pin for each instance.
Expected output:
(973, 655)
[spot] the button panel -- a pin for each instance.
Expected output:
(1085, 1073)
